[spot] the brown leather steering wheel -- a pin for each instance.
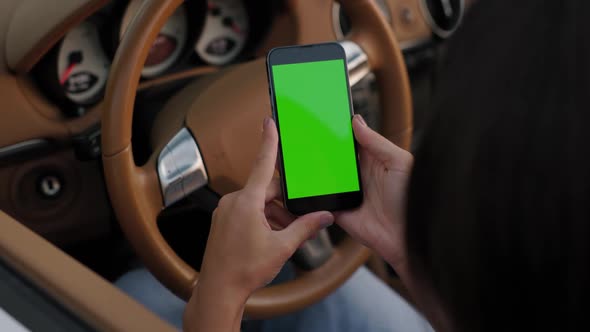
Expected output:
(209, 133)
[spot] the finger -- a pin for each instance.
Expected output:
(377, 145)
(264, 166)
(313, 236)
(274, 191)
(274, 226)
(278, 214)
(305, 227)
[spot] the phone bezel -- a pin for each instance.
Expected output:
(302, 54)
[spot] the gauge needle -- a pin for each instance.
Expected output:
(74, 59)
(236, 28)
(231, 23)
(64, 77)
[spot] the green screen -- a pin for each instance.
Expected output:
(315, 127)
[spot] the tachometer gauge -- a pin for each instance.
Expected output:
(168, 46)
(82, 65)
(225, 32)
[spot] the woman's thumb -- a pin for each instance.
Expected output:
(378, 146)
(305, 227)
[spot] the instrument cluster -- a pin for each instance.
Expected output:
(200, 33)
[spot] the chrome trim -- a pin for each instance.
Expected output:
(336, 21)
(50, 186)
(442, 33)
(447, 8)
(181, 169)
(356, 61)
(314, 253)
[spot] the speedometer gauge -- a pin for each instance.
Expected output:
(82, 65)
(225, 32)
(168, 46)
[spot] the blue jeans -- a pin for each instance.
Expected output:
(362, 303)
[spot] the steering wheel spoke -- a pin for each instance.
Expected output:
(357, 62)
(387, 63)
(181, 169)
(137, 189)
(315, 252)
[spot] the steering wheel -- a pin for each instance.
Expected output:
(209, 133)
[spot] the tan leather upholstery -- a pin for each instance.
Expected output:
(27, 114)
(77, 288)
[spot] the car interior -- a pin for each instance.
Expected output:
(123, 122)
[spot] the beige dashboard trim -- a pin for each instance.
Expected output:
(36, 25)
(76, 287)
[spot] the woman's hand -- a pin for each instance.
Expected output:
(379, 223)
(243, 252)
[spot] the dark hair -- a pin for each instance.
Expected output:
(498, 218)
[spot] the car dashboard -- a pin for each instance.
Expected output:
(198, 34)
(50, 169)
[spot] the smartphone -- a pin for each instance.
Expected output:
(312, 107)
